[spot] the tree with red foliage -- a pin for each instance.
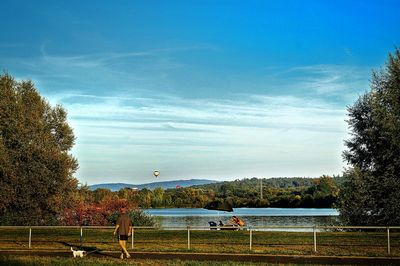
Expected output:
(94, 213)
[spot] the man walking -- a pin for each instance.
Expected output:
(124, 228)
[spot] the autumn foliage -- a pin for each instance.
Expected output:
(94, 213)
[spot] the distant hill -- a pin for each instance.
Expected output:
(153, 185)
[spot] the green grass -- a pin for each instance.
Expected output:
(60, 261)
(290, 243)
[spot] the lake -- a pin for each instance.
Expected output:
(252, 216)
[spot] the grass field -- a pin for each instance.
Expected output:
(210, 241)
(59, 261)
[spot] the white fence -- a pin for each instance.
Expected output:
(315, 231)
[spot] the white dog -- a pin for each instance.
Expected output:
(78, 253)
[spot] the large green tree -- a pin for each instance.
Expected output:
(370, 192)
(36, 167)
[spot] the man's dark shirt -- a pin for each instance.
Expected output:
(124, 223)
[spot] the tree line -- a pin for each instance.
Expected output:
(276, 192)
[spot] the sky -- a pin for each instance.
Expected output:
(220, 90)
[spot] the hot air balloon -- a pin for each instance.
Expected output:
(156, 173)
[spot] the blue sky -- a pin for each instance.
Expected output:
(201, 89)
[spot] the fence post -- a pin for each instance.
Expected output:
(315, 239)
(81, 236)
(133, 236)
(30, 237)
(251, 238)
(188, 228)
(388, 241)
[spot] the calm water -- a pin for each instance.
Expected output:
(252, 216)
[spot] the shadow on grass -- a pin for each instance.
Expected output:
(89, 249)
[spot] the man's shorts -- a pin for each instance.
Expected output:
(123, 237)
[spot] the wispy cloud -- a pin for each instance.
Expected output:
(330, 79)
(252, 111)
(103, 59)
(90, 60)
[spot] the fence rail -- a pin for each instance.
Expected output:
(315, 230)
